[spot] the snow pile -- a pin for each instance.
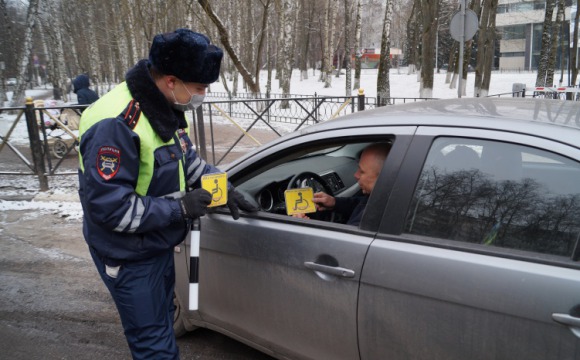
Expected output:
(63, 202)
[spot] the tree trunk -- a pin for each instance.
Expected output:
(326, 35)
(357, 39)
(261, 41)
(546, 38)
(347, 47)
(236, 43)
(121, 50)
(129, 30)
(286, 48)
(19, 92)
(94, 63)
(331, 50)
(269, 64)
(305, 31)
(383, 85)
(429, 10)
(554, 45)
(293, 39)
(482, 43)
(413, 37)
(451, 65)
(563, 49)
(5, 28)
(280, 40)
(574, 55)
(59, 75)
(490, 50)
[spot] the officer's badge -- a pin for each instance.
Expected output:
(108, 162)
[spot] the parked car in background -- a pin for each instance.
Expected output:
(11, 82)
(468, 247)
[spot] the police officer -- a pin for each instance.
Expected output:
(136, 165)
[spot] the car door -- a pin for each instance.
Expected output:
(286, 285)
(476, 257)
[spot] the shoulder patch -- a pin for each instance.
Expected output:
(108, 162)
(132, 113)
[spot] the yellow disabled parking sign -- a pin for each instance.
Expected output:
(217, 186)
(299, 201)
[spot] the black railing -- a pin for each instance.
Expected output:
(50, 146)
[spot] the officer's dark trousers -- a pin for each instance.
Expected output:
(143, 293)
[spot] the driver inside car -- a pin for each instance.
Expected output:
(352, 208)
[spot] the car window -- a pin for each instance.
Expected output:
(497, 194)
(328, 167)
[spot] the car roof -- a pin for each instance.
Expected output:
(554, 119)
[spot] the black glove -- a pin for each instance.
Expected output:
(237, 201)
(194, 204)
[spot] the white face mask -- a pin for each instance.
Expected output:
(194, 101)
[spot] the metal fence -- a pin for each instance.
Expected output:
(46, 151)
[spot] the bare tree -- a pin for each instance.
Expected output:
(4, 28)
(225, 40)
(347, 46)
(286, 47)
(546, 38)
(94, 54)
(413, 30)
(269, 63)
(237, 26)
(325, 36)
(383, 83)
(357, 45)
(129, 29)
(554, 44)
(58, 73)
(18, 95)
(429, 11)
(264, 30)
(485, 48)
(451, 67)
(574, 54)
(490, 51)
(305, 34)
(333, 9)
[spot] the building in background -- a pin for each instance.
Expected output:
(520, 25)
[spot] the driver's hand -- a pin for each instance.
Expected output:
(323, 201)
(300, 216)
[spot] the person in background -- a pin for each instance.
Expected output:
(369, 167)
(85, 96)
(136, 165)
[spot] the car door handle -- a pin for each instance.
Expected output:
(332, 270)
(571, 321)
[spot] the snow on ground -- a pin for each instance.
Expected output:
(402, 84)
(62, 197)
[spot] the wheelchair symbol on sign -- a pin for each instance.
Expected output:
(299, 201)
(215, 191)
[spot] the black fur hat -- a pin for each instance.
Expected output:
(188, 55)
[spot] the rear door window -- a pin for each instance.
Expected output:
(497, 194)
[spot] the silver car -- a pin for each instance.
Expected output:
(468, 247)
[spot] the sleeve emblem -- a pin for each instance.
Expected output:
(108, 162)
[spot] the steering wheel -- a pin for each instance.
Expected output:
(309, 179)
